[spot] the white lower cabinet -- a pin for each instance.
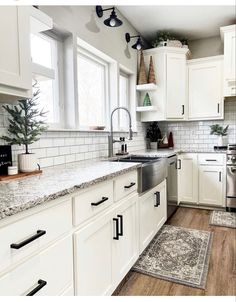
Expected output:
(48, 273)
(93, 257)
(106, 249)
(152, 214)
(211, 185)
(187, 178)
(125, 249)
(201, 179)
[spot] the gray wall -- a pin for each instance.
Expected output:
(206, 47)
(83, 22)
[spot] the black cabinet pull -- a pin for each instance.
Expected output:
(179, 166)
(116, 237)
(157, 199)
(218, 107)
(220, 178)
(131, 185)
(41, 284)
(121, 232)
(211, 160)
(99, 202)
(38, 234)
(182, 109)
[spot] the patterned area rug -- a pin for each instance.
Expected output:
(177, 254)
(225, 219)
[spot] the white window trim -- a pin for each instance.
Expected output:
(131, 94)
(41, 71)
(93, 54)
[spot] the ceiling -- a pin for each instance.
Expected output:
(191, 22)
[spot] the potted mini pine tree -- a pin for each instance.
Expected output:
(26, 124)
(221, 132)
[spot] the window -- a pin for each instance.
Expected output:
(124, 86)
(45, 57)
(92, 90)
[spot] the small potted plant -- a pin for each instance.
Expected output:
(25, 127)
(218, 130)
(153, 135)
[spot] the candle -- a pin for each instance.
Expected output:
(12, 170)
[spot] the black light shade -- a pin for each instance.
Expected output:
(112, 21)
(138, 45)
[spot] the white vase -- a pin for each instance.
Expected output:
(220, 140)
(153, 145)
(27, 162)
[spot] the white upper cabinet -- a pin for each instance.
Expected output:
(15, 63)
(175, 85)
(205, 92)
(228, 34)
(169, 97)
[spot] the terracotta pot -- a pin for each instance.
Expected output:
(27, 162)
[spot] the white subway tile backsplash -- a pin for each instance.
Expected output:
(196, 135)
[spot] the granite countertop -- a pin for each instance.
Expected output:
(22, 194)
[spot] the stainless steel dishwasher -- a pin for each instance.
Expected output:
(172, 185)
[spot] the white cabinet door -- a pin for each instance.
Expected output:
(15, 63)
(187, 178)
(175, 85)
(160, 208)
(205, 88)
(229, 60)
(93, 257)
(125, 249)
(211, 185)
(152, 214)
(52, 269)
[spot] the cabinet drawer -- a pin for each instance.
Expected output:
(211, 159)
(49, 266)
(35, 231)
(92, 201)
(125, 184)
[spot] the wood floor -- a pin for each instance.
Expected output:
(221, 278)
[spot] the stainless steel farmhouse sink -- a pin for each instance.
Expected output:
(153, 170)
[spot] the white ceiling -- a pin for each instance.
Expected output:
(192, 22)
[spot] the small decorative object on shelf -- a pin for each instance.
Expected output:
(25, 127)
(151, 73)
(142, 77)
(170, 141)
(221, 132)
(5, 159)
(147, 101)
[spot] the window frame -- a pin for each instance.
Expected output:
(54, 73)
(94, 57)
(128, 105)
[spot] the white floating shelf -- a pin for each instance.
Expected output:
(146, 87)
(146, 108)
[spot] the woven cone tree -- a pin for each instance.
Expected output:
(142, 77)
(151, 73)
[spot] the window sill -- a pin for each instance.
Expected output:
(79, 130)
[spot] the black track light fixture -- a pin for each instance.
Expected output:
(112, 21)
(138, 45)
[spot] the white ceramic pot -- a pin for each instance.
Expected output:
(153, 145)
(220, 140)
(27, 162)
